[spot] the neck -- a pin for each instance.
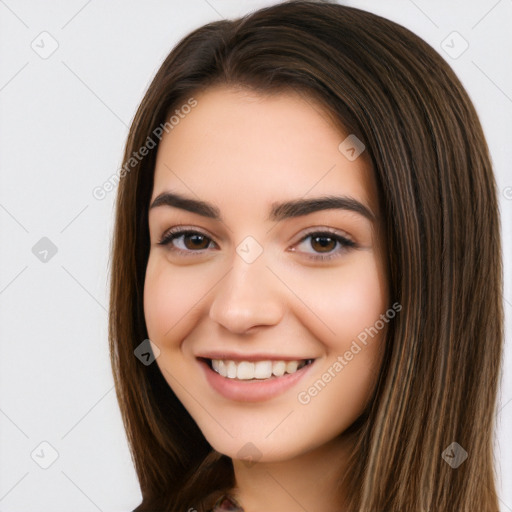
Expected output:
(309, 481)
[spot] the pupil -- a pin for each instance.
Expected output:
(326, 243)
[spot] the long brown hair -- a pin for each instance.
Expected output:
(441, 369)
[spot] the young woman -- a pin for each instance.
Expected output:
(307, 231)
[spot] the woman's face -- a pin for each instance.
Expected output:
(262, 275)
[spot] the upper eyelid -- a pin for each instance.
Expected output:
(183, 230)
(331, 231)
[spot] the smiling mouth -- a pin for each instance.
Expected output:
(255, 370)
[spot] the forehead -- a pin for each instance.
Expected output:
(238, 144)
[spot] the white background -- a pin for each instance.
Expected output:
(63, 124)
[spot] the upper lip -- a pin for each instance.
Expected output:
(231, 356)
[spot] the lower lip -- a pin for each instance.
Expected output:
(252, 391)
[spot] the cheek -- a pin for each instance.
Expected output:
(344, 301)
(353, 335)
(169, 299)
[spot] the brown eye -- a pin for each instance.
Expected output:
(186, 241)
(322, 246)
(323, 243)
(195, 241)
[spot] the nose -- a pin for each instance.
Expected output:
(248, 296)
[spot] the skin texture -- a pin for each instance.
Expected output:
(242, 152)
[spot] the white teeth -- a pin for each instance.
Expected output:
(278, 368)
(263, 370)
(291, 366)
(231, 369)
(245, 370)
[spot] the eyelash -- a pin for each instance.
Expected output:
(175, 233)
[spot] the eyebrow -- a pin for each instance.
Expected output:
(278, 212)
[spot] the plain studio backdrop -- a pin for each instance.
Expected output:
(71, 77)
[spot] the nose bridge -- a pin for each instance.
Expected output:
(248, 295)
